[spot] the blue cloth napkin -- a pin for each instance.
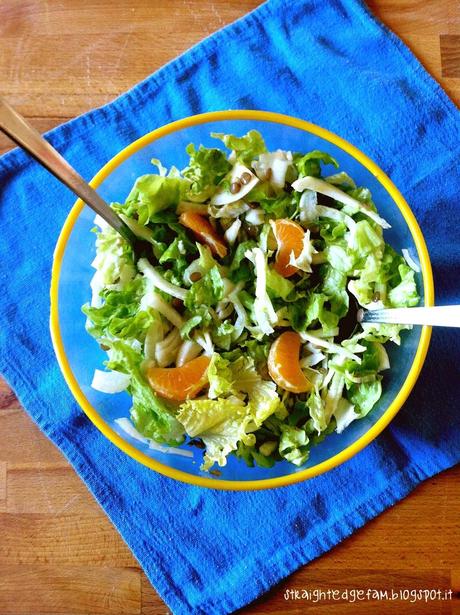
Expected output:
(331, 62)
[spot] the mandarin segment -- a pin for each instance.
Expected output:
(180, 383)
(289, 237)
(284, 365)
(204, 232)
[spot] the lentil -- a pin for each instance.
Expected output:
(245, 178)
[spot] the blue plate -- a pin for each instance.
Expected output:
(79, 354)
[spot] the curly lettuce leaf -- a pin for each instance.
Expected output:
(245, 148)
(240, 402)
(294, 444)
(365, 395)
(221, 377)
(221, 424)
(114, 262)
(206, 291)
(310, 164)
(120, 316)
(152, 194)
(152, 416)
(405, 293)
(206, 169)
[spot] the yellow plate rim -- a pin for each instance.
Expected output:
(213, 483)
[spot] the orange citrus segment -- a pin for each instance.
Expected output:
(204, 231)
(180, 383)
(289, 236)
(284, 365)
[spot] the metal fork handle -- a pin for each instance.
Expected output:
(23, 134)
(439, 316)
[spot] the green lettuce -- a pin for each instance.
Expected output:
(221, 424)
(246, 148)
(224, 334)
(294, 444)
(206, 169)
(119, 316)
(221, 377)
(405, 293)
(282, 206)
(206, 291)
(367, 239)
(152, 194)
(152, 416)
(201, 318)
(114, 261)
(240, 269)
(316, 409)
(277, 286)
(365, 395)
(309, 164)
(200, 265)
(379, 332)
(240, 402)
(334, 287)
(311, 312)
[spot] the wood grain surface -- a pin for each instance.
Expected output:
(59, 554)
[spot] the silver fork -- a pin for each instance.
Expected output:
(439, 316)
(23, 134)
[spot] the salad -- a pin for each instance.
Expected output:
(232, 325)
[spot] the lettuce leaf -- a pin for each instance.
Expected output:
(312, 311)
(206, 291)
(114, 262)
(365, 395)
(220, 424)
(379, 332)
(201, 318)
(294, 444)
(246, 148)
(334, 287)
(152, 194)
(240, 402)
(224, 334)
(119, 315)
(282, 206)
(206, 169)
(405, 293)
(221, 377)
(316, 409)
(240, 270)
(200, 265)
(277, 286)
(309, 164)
(318, 313)
(152, 416)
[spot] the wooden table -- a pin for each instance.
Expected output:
(58, 552)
